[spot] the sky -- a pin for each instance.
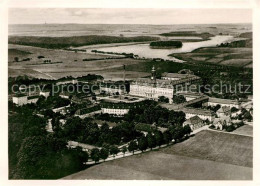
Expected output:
(128, 16)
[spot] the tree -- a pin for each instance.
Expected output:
(163, 99)
(104, 128)
(151, 141)
(104, 153)
(16, 59)
(177, 132)
(215, 109)
(176, 118)
(234, 109)
(159, 138)
(142, 143)
(187, 130)
(39, 57)
(248, 116)
(95, 154)
(124, 149)
(132, 146)
(167, 137)
(83, 155)
(178, 99)
(114, 150)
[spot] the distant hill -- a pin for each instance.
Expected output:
(204, 35)
(75, 41)
(246, 35)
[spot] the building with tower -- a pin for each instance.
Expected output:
(153, 87)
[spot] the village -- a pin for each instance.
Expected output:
(140, 106)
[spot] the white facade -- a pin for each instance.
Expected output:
(223, 102)
(20, 100)
(45, 94)
(114, 111)
(74, 81)
(60, 109)
(151, 92)
(171, 78)
(64, 96)
(34, 100)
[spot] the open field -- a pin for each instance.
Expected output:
(244, 130)
(160, 166)
(219, 55)
(72, 64)
(218, 147)
(221, 157)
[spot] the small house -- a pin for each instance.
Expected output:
(194, 122)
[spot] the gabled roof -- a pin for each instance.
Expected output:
(20, 95)
(224, 110)
(194, 120)
(223, 101)
(176, 75)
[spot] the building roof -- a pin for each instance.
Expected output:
(197, 111)
(20, 95)
(33, 97)
(194, 120)
(150, 81)
(194, 94)
(223, 101)
(162, 83)
(224, 109)
(222, 120)
(176, 75)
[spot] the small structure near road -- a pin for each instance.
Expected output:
(194, 122)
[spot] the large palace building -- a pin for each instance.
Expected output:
(166, 86)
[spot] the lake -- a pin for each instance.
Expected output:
(144, 50)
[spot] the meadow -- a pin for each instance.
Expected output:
(193, 159)
(72, 64)
(239, 57)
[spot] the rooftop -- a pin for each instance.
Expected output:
(223, 101)
(177, 75)
(33, 97)
(224, 109)
(194, 120)
(20, 95)
(197, 111)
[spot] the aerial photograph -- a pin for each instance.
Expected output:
(130, 94)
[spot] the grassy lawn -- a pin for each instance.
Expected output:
(220, 157)
(244, 130)
(217, 146)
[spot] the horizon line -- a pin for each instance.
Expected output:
(124, 23)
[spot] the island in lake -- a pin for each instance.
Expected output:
(166, 44)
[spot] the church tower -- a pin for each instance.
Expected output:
(153, 76)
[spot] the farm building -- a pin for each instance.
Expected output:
(194, 122)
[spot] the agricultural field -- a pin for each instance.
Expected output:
(246, 130)
(237, 53)
(219, 147)
(221, 157)
(240, 57)
(67, 63)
